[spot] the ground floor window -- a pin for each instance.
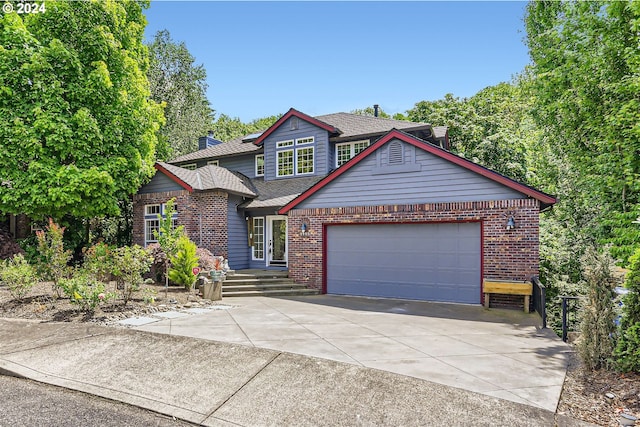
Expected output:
(152, 215)
(258, 238)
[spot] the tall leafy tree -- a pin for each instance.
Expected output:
(227, 128)
(180, 84)
(586, 84)
(78, 130)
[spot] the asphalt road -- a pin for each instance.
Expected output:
(29, 403)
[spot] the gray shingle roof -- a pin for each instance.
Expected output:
(349, 124)
(279, 192)
(235, 146)
(356, 124)
(213, 178)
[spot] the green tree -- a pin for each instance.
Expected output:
(181, 86)
(586, 80)
(227, 128)
(370, 111)
(78, 130)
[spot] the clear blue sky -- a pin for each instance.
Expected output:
(324, 57)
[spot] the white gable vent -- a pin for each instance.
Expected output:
(395, 153)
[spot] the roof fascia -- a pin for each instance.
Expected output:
(545, 199)
(293, 112)
(174, 178)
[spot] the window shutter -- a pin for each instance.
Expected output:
(250, 231)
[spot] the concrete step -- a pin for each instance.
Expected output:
(272, 293)
(234, 281)
(233, 287)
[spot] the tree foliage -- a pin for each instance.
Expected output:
(181, 86)
(586, 80)
(491, 128)
(78, 130)
(227, 128)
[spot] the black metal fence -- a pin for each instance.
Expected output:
(540, 299)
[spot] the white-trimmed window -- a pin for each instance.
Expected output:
(152, 221)
(214, 162)
(190, 166)
(304, 160)
(285, 163)
(347, 150)
(282, 144)
(301, 141)
(258, 238)
(259, 164)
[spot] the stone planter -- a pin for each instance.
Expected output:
(212, 290)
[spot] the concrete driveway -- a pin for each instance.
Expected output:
(500, 353)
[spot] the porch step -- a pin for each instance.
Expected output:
(252, 285)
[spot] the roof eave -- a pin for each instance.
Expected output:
(291, 113)
(173, 177)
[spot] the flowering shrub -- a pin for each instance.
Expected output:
(18, 275)
(98, 260)
(129, 266)
(206, 260)
(84, 290)
(54, 259)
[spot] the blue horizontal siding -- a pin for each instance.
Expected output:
(434, 180)
(237, 234)
(159, 183)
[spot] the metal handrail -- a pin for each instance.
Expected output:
(565, 323)
(540, 299)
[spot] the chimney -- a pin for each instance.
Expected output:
(207, 141)
(375, 110)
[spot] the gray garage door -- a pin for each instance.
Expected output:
(432, 262)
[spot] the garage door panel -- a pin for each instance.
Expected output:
(436, 262)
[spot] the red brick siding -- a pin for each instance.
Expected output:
(507, 254)
(203, 215)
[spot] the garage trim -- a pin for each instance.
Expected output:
(325, 242)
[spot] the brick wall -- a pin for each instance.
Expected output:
(507, 254)
(203, 215)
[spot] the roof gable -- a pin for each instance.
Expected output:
(545, 199)
(295, 113)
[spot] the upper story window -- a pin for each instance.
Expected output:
(301, 141)
(345, 151)
(285, 163)
(214, 162)
(297, 159)
(190, 166)
(282, 144)
(259, 164)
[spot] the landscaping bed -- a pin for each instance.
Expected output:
(584, 395)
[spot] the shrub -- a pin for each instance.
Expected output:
(158, 262)
(183, 263)
(206, 260)
(18, 275)
(84, 290)
(98, 260)
(597, 327)
(129, 266)
(627, 351)
(54, 259)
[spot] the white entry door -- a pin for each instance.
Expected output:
(277, 240)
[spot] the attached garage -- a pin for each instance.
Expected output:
(424, 261)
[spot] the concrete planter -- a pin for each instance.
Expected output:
(212, 290)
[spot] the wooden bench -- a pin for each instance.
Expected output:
(508, 287)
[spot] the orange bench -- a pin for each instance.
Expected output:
(508, 287)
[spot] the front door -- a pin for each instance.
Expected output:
(277, 240)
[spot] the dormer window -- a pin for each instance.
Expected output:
(282, 144)
(347, 150)
(295, 157)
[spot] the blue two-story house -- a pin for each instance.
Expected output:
(309, 187)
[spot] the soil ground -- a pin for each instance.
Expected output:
(597, 397)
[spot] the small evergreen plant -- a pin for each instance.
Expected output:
(183, 263)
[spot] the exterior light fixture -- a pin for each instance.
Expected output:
(303, 228)
(511, 223)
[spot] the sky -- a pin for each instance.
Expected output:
(263, 58)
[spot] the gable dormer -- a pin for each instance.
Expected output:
(296, 146)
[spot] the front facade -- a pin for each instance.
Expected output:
(352, 205)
